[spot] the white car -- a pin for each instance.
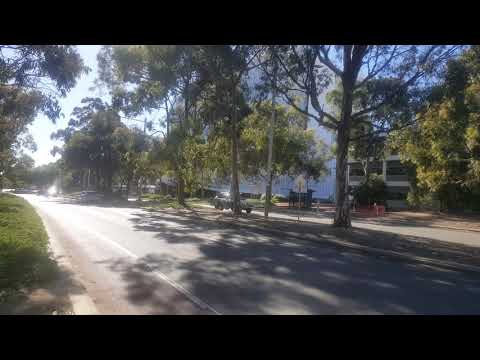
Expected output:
(223, 201)
(90, 196)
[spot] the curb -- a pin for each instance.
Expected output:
(82, 304)
(313, 213)
(389, 253)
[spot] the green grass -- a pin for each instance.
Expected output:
(261, 203)
(24, 256)
(256, 202)
(165, 201)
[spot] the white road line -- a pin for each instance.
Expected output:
(202, 304)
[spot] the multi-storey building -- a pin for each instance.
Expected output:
(393, 173)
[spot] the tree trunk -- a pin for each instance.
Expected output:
(139, 188)
(127, 188)
(202, 194)
(167, 116)
(268, 190)
(342, 211)
(180, 190)
(366, 169)
(235, 188)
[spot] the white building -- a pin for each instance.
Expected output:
(391, 171)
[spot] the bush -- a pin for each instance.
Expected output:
(276, 198)
(427, 201)
(370, 192)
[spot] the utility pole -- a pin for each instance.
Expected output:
(268, 192)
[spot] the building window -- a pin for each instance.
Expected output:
(356, 169)
(397, 192)
(396, 171)
(376, 167)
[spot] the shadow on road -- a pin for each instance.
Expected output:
(252, 270)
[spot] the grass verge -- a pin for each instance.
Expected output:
(165, 201)
(24, 257)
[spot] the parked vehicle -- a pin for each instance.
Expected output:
(90, 196)
(25, 191)
(224, 201)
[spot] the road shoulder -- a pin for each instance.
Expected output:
(81, 302)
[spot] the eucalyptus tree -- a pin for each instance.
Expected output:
(294, 151)
(307, 71)
(223, 74)
(32, 79)
(89, 140)
(133, 147)
(155, 77)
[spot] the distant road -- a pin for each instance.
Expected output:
(133, 261)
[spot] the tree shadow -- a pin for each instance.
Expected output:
(252, 270)
(45, 297)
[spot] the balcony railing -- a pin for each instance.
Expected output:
(356, 178)
(397, 177)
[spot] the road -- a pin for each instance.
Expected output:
(134, 261)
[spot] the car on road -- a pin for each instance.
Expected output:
(25, 191)
(90, 197)
(224, 201)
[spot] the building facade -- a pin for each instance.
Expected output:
(391, 171)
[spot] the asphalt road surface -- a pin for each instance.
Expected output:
(133, 261)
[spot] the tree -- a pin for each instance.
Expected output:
(162, 76)
(444, 145)
(89, 141)
(294, 151)
(131, 145)
(45, 175)
(19, 173)
(32, 78)
(223, 70)
(309, 70)
(366, 143)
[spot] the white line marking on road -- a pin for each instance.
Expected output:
(202, 304)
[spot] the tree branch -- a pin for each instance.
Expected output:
(326, 60)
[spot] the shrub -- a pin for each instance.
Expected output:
(372, 191)
(428, 201)
(276, 198)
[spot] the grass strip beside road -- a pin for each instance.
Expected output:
(157, 201)
(24, 257)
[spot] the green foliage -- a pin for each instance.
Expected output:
(295, 150)
(32, 77)
(444, 145)
(24, 257)
(133, 146)
(19, 173)
(276, 198)
(372, 191)
(90, 140)
(428, 201)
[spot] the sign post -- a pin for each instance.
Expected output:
(300, 187)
